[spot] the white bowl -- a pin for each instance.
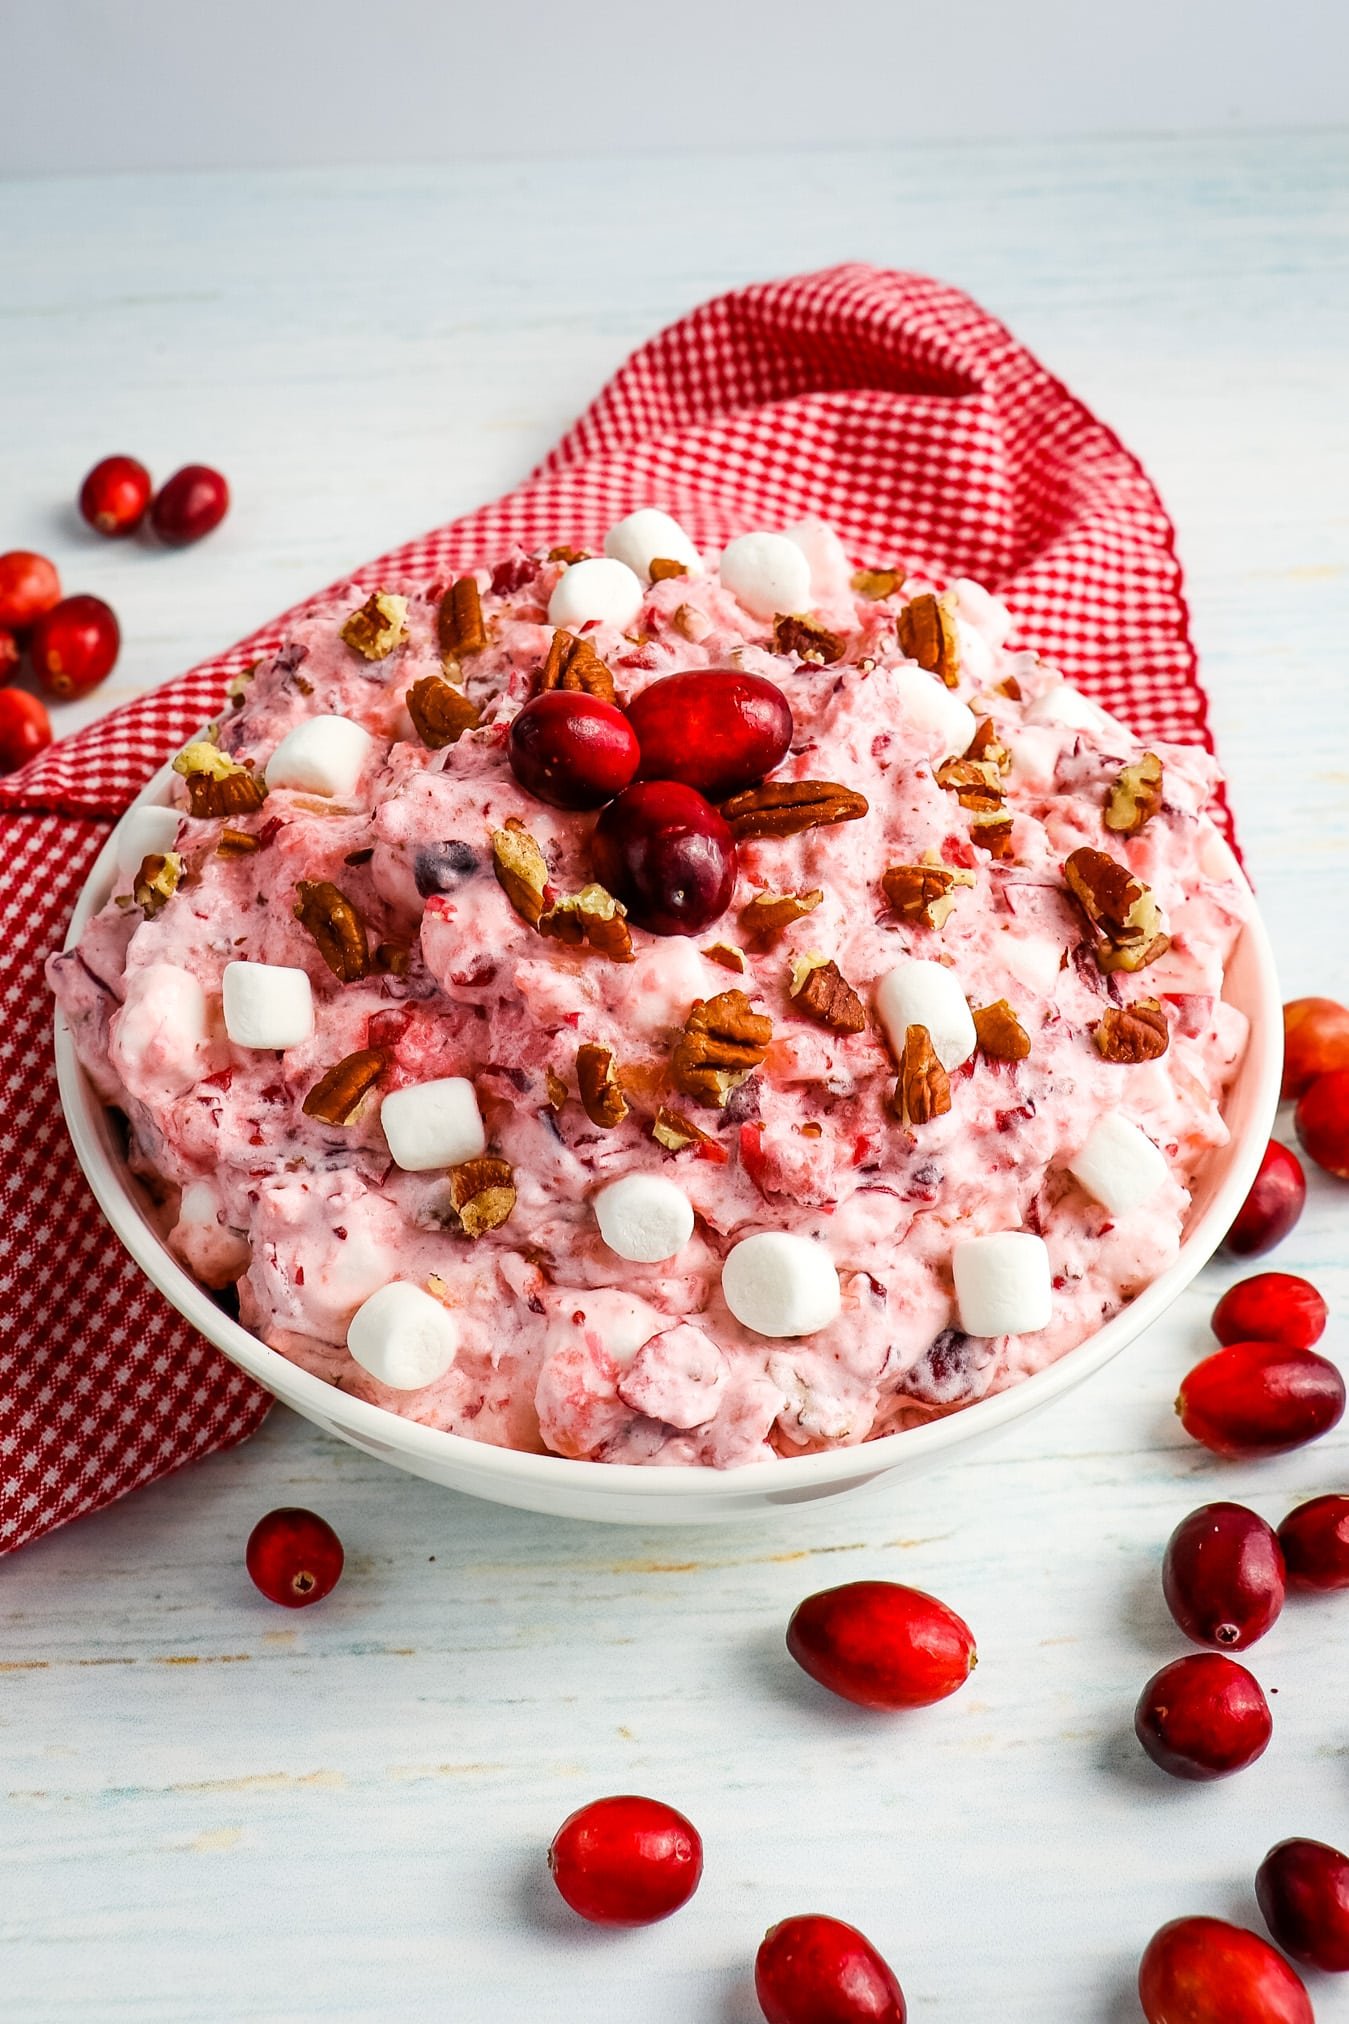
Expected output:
(624, 1493)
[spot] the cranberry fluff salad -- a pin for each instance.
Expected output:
(668, 1009)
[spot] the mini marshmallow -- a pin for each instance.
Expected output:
(830, 569)
(324, 755)
(779, 1284)
(433, 1124)
(940, 718)
(1002, 1284)
(267, 1005)
(1067, 706)
(1119, 1165)
(767, 573)
(979, 608)
(142, 832)
(159, 1032)
(199, 1204)
(646, 536)
(601, 590)
(644, 1218)
(918, 993)
(403, 1337)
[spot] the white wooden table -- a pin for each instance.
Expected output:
(214, 1811)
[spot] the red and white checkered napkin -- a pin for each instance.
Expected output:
(891, 405)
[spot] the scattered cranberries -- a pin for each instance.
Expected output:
(882, 1645)
(75, 645)
(294, 1557)
(191, 503)
(1303, 1891)
(817, 1970)
(1322, 1119)
(1260, 1398)
(667, 854)
(29, 586)
(572, 750)
(1274, 1204)
(1203, 1971)
(116, 495)
(1315, 1542)
(1203, 1717)
(626, 1861)
(1223, 1576)
(25, 729)
(1315, 1040)
(715, 729)
(1271, 1307)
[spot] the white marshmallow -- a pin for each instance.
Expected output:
(941, 720)
(199, 1204)
(918, 993)
(830, 569)
(1003, 1284)
(433, 1124)
(324, 755)
(204, 1241)
(982, 611)
(159, 1032)
(779, 1284)
(403, 1337)
(267, 1005)
(1067, 706)
(767, 573)
(600, 589)
(645, 536)
(143, 831)
(1119, 1165)
(644, 1218)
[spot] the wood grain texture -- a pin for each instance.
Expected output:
(212, 1811)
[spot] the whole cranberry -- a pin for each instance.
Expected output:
(1259, 1398)
(1272, 1206)
(29, 586)
(626, 1861)
(1203, 1971)
(9, 653)
(1303, 1891)
(716, 729)
(75, 645)
(816, 1970)
(882, 1645)
(667, 854)
(1223, 1576)
(294, 1557)
(1315, 1542)
(572, 750)
(1271, 1307)
(116, 495)
(25, 729)
(191, 503)
(1315, 1040)
(1203, 1717)
(1322, 1119)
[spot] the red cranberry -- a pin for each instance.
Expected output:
(667, 854)
(1272, 1207)
(882, 1645)
(572, 750)
(626, 1861)
(75, 645)
(1203, 1971)
(1315, 1040)
(1203, 1717)
(717, 730)
(29, 586)
(1271, 1307)
(116, 495)
(817, 1970)
(1315, 1542)
(191, 503)
(294, 1557)
(1223, 1576)
(1303, 1891)
(1259, 1398)
(9, 653)
(1322, 1119)
(25, 729)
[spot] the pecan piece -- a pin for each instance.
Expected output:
(459, 624)
(878, 583)
(988, 747)
(976, 783)
(674, 1131)
(1133, 1033)
(663, 568)
(726, 955)
(337, 1096)
(572, 663)
(923, 1090)
(591, 916)
(440, 713)
(336, 925)
(236, 843)
(924, 892)
(926, 629)
(1119, 909)
(991, 829)
(557, 1090)
(393, 959)
(521, 869)
(786, 807)
(376, 627)
(1135, 797)
(793, 634)
(1001, 1035)
(602, 1096)
(483, 1194)
(768, 914)
(563, 553)
(823, 993)
(157, 881)
(216, 784)
(723, 1040)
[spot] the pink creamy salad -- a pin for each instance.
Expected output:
(558, 1344)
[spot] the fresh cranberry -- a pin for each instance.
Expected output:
(1259, 1398)
(1303, 1891)
(717, 730)
(116, 495)
(1223, 1576)
(1322, 1119)
(1315, 1542)
(191, 503)
(25, 729)
(1271, 1307)
(294, 1557)
(667, 854)
(9, 653)
(1315, 1040)
(1203, 1971)
(626, 1861)
(29, 586)
(75, 645)
(881, 1645)
(1273, 1205)
(1203, 1717)
(572, 750)
(816, 1970)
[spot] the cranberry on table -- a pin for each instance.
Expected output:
(25, 729)
(1223, 1576)
(75, 645)
(816, 1970)
(882, 1645)
(572, 750)
(626, 1861)
(116, 495)
(294, 1557)
(715, 729)
(1260, 1398)
(668, 855)
(29, 586)
(189, 504)
(1315, 1040)
(1322, 1119)
(1303, 1890)
(1203, 1717)
(1315, 1542)
(1203, 1971)
(1272, 1207)
(1271, 1307)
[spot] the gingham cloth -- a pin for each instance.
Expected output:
(888, 403)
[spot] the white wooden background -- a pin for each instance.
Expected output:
(210, 1810)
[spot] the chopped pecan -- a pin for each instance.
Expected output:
(337, 1096)
(1135, 797)
(336, 925)
(786, 807)
(440, 713)
(572, 663)
(459, 624)
(976, 783)
(375, 628)
(878, 583)
(521, 869)
(723, 1039)
(216, 784)
(361, 856)
(926, 629)
(991, 829)
(823, 993)
(726, 954)
(593, 916)
(157, 881)
(923, 1090)
(483, 1194)
(1133, 1033)
(557, 1090)
(562, 553)
(1011, 688)
(1119, 909)
(393, 959)
(924, 892)
(1001, 1035)
(691, 623)
(663, 568)
(602, 1096)
(987, 746)
(236, 843)
(768, 914)
(236, 688)
(674, 1131)
(793, 634)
